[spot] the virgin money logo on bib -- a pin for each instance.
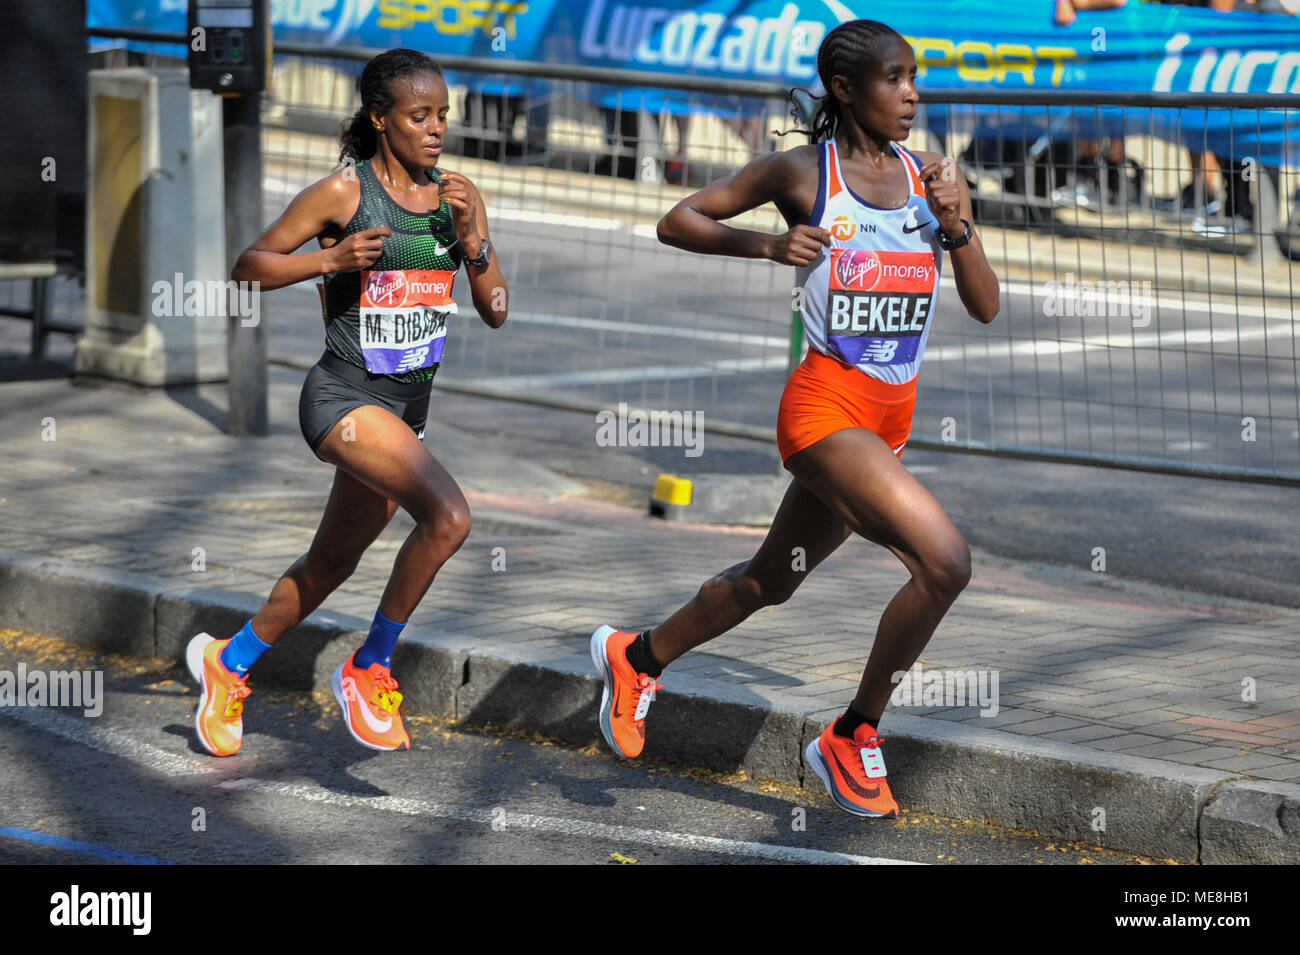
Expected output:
(386, 289)
(856, 269)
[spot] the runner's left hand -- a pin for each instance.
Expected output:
(944, 194)
(459, 193)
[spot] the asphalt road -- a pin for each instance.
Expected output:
(131, 786)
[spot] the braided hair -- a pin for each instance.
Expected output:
(848, 50)
(357, 138)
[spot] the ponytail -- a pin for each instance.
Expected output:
(358, 140)
(825, 116)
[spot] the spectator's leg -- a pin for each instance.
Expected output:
(538, 120)
(1118, 190)
(1205, 199)
(1237, 201)
(675, 168)
(41, 289)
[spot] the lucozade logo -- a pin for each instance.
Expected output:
(703, 39)
(345, 15)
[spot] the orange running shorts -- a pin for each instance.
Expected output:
(824, 395)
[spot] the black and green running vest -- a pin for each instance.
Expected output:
(419, 241)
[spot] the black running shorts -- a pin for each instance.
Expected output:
(335, 387)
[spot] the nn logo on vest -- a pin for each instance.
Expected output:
(76, 908)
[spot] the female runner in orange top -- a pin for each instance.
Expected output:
(869, 225)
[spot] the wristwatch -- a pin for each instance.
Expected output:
(484, 256)
(949, 244)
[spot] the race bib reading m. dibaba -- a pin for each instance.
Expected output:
(403, 318)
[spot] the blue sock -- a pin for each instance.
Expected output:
(378, 647)
(243, 650)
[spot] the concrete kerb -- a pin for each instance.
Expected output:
(1150, 807)
(1119, 802)
(1251, 820)
(104, 607)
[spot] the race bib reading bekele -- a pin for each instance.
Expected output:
(403, 318)
(878, 304)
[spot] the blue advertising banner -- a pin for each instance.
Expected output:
(958, 43)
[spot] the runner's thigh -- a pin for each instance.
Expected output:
(386, 456)
(863, 483)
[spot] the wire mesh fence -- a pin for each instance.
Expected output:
(1144, 245)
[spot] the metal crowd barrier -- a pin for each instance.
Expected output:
(1147, 312)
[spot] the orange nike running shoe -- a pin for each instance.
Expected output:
(853, 771)
(219, 720)
(369, 700)
(627, 694)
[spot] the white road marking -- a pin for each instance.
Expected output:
(661, 331)
(1119, 338)
(122, 745)
(564, 379)
(1275, 309)
(507, 210)
(1116, 340)
(619, 835)
(111, 741)
(624, 328)
(502, 211)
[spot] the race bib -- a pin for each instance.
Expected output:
(403, 318)
(878, 305)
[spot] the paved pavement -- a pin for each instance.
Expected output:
(145, 484)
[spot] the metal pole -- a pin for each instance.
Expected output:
(246, 340)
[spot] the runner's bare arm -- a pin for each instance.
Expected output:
(487, 286)
(693, 224)
(949, 196)
(322, 207)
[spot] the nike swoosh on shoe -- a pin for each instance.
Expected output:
(350, 693)
(853, 784)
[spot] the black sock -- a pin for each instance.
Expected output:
(847, 724)
(641, 659)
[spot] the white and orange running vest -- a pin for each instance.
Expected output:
(868, 299)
